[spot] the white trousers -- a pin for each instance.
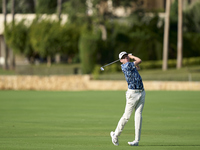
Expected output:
(134, 100)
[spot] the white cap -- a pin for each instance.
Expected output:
(122, 54)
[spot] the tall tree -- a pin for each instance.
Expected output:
(180, 36)
(59, 8)
(11, 53)
(5, 49)
(166, 35)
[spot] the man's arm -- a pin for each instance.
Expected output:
(136, 60)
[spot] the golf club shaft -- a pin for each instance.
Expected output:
(111, 63)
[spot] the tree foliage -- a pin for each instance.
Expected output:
(138, 33)
(88, 49)
(46, 6)
(69, 36)
(40, 37)
(76, 10)
(51, 37)
(191, 29)
(17, 37)
(21, 6)
(192, 18)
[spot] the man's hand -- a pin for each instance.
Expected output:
(136, 60)
(138, 67)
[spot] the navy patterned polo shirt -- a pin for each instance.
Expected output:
(132, 76)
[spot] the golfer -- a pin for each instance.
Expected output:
(135, 97)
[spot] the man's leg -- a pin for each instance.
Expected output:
(131, 101)
(138, 120)
(138, 116)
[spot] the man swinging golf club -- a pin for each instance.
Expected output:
(135, 97)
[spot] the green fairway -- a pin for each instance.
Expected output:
(41, 120)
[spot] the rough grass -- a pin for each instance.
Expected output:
(83, 120)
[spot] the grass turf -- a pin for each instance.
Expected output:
(83, 120)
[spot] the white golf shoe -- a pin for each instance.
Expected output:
(114, 138)
(134, 143)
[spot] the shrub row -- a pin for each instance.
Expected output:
(147, 65)
(171, 63)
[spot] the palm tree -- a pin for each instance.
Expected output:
(59, 8)
(166, 35)
(5, 49)
(180, 38)
(12, 56)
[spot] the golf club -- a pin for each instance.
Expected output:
(102, 69)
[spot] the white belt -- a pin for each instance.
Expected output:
(136, 91)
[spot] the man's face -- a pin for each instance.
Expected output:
(124, 59)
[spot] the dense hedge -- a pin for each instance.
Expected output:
(156, 64)
(171, 63)
(88, 50)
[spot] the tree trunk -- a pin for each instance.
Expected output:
(13, 11)
(5, 49)
(179, 44)
(48, 61)
(166, 36)
(11, 54)
(59, 8)
(12, 59)
(57, 58)
(103, 32)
